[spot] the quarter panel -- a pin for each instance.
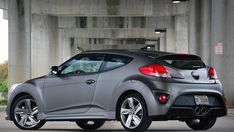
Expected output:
(111, 84)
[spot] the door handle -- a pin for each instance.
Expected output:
(90, 81)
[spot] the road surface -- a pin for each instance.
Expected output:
(223, 124)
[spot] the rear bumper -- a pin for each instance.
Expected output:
(186, 104)
(189, 112)
(183, 113)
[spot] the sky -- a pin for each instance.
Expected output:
(3, 38)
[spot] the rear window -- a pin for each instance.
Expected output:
(114, 61)
(185, 62)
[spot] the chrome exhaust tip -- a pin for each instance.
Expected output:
(203, 110)
(197, 110)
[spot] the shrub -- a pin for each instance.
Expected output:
(3, 86)
(3, 102)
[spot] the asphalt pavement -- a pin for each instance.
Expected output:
(223, 124)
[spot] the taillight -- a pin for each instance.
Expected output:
(155, 70)
(212, 73)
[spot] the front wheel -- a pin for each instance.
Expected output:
(201, 124)
(24, 114)
(90, 125)
(133, 113)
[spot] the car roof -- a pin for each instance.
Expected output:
(152, 54)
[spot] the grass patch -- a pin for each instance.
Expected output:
(3, 102)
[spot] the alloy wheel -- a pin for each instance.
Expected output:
(131, 112)
(25, 113)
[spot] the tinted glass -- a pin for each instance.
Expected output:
(186, 62)
(82, 64)
(114, 61)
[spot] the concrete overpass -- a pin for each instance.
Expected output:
(43, 33)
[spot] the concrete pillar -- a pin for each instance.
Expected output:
(200, 29)
(205, 35)
(19, 40)
(193, 26)
(45, 46)
(170, 40)
(228, 46)
(5, 14)
(211, 22)
(64, 42)
(162, 43)
(218, 35)
(181, 34)
(222, 32)
(177, 34)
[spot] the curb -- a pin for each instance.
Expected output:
(230, 112)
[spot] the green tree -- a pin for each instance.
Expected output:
(3, 86)
(3, 76)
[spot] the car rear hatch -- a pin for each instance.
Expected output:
(186, 68)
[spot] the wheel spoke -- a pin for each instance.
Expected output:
(136, 120)
(35, 111)
(130, 103)
(128, 121)
(23, 120)
(19, 111)
(32, 119)
(125, 111)
(28, 105)
(138, 108)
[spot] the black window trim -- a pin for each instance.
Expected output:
(105, 59)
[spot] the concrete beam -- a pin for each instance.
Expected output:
(111, 33)
(4, 4)
(108, 7)
(117, 22)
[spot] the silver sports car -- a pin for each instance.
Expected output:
(133, 87)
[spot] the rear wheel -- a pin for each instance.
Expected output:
(201, 124)
(90, 125)
(24, 114)
(133, 113)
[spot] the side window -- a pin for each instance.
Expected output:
(82, 64)
(114, 61)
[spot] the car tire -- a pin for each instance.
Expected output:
(90, 125)
(201, 124)
(133, 113)
(24, 114)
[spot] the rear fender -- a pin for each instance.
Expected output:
(137, 86)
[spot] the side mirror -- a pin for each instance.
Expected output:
(54, 70)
